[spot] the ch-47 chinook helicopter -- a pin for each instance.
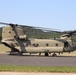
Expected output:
(14, 37)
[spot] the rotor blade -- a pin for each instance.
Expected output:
(34, 27)
(72, 32)
(11, 24)
(4, 23)
(44, 29)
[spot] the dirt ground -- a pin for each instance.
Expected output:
(26, 73)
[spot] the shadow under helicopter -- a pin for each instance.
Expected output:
(34, 55)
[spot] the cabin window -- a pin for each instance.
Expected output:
(36, 45)
(26, 45)
(56, 44)
(65, 44)
(9, 32)
(47, 44)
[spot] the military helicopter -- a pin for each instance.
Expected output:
(13, 36)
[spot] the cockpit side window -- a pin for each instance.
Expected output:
(65, 44)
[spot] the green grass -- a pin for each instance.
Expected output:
(37, 69)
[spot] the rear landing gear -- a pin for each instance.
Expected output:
(46, 54)
(8, 53)
(11, 53)
(54, 55)
(20, 53)
(39, 54)
(14, 52)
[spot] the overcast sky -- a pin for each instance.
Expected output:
(57, 14)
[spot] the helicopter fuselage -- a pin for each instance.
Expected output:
(14, 38)
(40, 45)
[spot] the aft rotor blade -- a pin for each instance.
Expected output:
(4, 23)
(43, 29)
(34, 27)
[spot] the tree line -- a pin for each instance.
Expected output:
(39, 34)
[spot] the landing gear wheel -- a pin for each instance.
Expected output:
(46, 54)
(54, 55)
(39, 54)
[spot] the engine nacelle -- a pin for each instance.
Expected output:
(22, 37)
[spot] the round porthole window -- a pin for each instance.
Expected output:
(47, 44)
(36, 45)
(56, 44)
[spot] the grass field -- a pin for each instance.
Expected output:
(37, 69)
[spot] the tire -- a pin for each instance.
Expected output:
(46, 54)
(54, 55)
